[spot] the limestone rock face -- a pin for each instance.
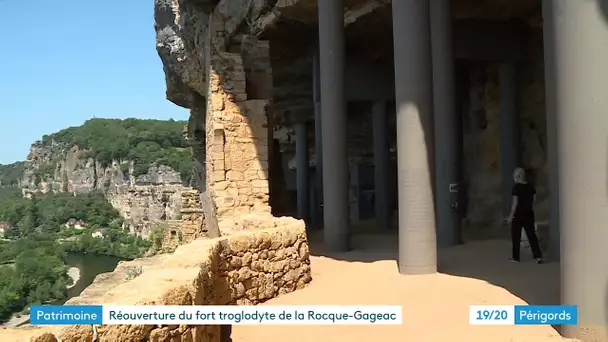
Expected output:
(146, 198)
(482, 142)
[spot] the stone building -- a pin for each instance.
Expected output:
(426, 105)
(75, 224)
(4, 227)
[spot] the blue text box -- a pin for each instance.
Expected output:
(546, 314)
(65, 314)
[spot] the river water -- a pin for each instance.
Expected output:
(90, 266)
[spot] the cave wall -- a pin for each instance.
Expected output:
(482, 174)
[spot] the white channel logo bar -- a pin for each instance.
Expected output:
(253, 315)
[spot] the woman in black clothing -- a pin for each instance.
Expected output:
(522, 215)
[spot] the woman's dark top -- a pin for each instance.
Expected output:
(525, 199)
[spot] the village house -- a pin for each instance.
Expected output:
(4, 227)
(75, 224)
(99, 233)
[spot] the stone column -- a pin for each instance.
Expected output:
(302, 165)
(447, 125)
(381, 165)
(554, 235)
(510, 146)
(413, 93)
(333, 109)
(318, 140)
(579, 41)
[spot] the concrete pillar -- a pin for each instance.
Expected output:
(381, 165)
(316, 88)
(333, 109)
(354, 192)
(447, 125)
(302, 165)
(578, 31)
(510, 145)
(413, 93)
(554, 235)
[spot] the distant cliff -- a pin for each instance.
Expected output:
(142, 166)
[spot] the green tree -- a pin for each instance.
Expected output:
(10, 174)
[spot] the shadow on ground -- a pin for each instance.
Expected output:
(484, 260)
(368, 244)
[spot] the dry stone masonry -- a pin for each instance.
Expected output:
(190, 226)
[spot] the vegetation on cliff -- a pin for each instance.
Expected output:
(11, 174)
(33, 256)
(49, 213)
(144, 142)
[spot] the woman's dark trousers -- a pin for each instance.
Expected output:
(527, 223)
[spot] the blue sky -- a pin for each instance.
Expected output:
(64, 62)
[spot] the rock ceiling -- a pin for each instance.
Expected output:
(369, 25)
(305, 11)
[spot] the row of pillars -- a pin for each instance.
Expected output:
(381, 148)
(447, 153)
(415, 90)
(416, 82)
(576, 75)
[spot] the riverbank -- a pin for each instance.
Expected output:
(74, 274)
(23, 318)
(16, 321)
(83, 270)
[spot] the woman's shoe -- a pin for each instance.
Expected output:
(539, 261)
(513, 260)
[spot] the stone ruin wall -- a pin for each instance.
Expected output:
(190, 226)
(246, 268)
(239, 96)
(237, 135)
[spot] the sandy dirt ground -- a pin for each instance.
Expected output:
(435, 307)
